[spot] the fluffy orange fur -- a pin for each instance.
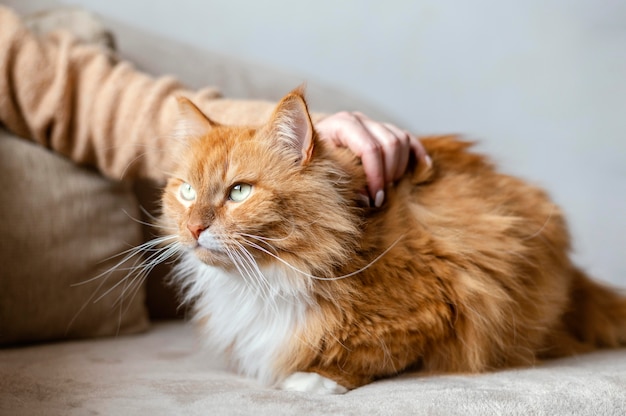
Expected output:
(463, 269)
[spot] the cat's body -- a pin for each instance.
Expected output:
(463, 269)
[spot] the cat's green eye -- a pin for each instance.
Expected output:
(187, 192)
(240, 192)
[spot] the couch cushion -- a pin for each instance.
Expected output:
(60, 226)
(163, 372)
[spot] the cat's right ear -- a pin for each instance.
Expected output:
(192, 122)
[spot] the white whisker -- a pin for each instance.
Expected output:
(258, 247)
(154, 221)
(265, 288)
(131, 162)
(145, 268)
(87, 302)
(543, 226)
(136, 274)
(128, 254)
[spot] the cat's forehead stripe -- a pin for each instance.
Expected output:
(214, 157)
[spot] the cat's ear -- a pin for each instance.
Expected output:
(291, 124)
(192, 122)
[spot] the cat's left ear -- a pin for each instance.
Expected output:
(192, 122)
(291, 124)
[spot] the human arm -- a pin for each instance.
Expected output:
(80, 101)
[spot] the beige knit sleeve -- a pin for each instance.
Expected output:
(79, 101)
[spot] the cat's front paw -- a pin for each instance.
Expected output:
(312, 382)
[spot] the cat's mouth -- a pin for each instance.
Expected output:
(209, 249)
(212, 250)
(211, 255)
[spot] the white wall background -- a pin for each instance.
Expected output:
(542, 83)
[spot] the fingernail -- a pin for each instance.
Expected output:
(380, 197)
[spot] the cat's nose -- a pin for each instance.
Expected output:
(196, 229)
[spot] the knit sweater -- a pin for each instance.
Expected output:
(80, 101)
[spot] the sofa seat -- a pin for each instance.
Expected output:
(165, 372)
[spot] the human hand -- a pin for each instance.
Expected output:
(383, 148)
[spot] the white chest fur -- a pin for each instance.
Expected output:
(251, 316)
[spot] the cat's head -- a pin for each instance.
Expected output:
(273, 193)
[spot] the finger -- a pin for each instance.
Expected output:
(403, 151)
(389, 146)
(373, 165)
(419, 151)
(349, 130)
(394, 146)
(364, 143)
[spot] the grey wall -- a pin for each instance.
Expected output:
(542, 83)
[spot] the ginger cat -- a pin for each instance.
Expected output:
(303, 286)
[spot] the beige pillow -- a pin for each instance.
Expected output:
(60, 224)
